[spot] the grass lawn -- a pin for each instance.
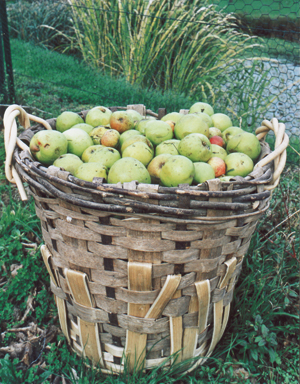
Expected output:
(260, 344)
(39, 72)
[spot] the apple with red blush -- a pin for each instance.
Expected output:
(218, 141)
(218, 166)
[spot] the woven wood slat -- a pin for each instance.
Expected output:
(60, 301)
(143, 270)
(139, 279)
(176, 332)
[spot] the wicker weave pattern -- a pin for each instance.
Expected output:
(142, 272)
(101, 247)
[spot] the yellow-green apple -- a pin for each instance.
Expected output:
(245, 142)
(46, 146)
(206, 118)
(230, 132)
(177, 170)
(67, 120)
(168, 146)
(127, 134)
(173, 116)
(218, 151)
(218, 165)
(97, 133)
(122, 121)
(156, 165)
(195, 147)
(171, 124)
(106, 156)
(68, 162)
(137, 117)
(78, 141)
(158, 131)
(221, 121)
(89, 151)
(225, 179)
(98, 116)
(203, 172)
(128, 169)
(135, 139)
(238, 164)
(110, 138)
(86, 127)
(191, 123)
(202, 107)
(213, 131)
(87, 171)
(217, 140)
(140, 151)
(142, 124)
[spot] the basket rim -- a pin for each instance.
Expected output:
(137, 198)
(263, 177)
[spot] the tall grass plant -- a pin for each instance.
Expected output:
(185, 46)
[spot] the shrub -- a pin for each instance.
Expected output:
(47, 23)
(185, 46)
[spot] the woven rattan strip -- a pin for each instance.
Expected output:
(141, 273)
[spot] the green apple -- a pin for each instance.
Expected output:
(173, 116)
(202, 107)
(191, 123)
(155, 166)
(67, 120)
(168, 146)
(177, 170)
(97, 133)
(195, 147)
(142, 126)
(87, 171)
(68, 162)
(140, 151)
(137, 117)
(106, 156)
(46, 146)
(203, 172)
(127, 134)
(158, 131)
(128, 169)
(213, 131)
(230, 132)
(245, 142)
(86, 127)
(206, 118)
(78, 141)
(135, 139)
(225, 179)
(89, 151)
(221, 121)
(98, 116)
(238, 164)
(218, 151)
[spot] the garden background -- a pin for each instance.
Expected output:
(240, 56)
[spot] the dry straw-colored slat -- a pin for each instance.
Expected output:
(141, 273)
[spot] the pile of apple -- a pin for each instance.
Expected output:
(123, 146)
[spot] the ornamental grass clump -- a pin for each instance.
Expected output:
(186, 46)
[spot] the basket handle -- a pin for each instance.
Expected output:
(279, 153)
(11, 139)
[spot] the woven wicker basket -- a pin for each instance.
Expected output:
(138, 271)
